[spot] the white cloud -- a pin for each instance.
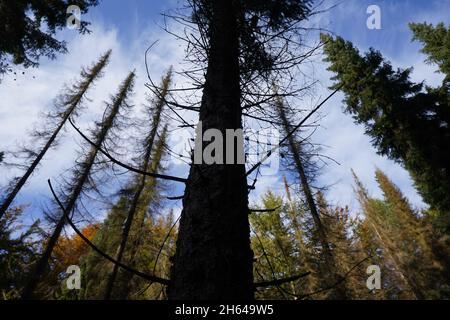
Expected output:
(24, 98)
(31, 93)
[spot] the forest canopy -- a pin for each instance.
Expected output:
(130, 214)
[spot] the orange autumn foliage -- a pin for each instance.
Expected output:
(69, 250)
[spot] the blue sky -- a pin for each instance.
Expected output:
(129, 27)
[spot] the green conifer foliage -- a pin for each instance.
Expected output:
(28, 29)
(406, 121)
(276, 251)
(17, 254)
(436, 44)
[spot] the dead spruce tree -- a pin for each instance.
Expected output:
(135, 202)
(66, 106)
(300, 161)
(241, 44)
(96, 270)
(80, 178)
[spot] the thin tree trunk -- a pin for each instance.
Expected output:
(330, 263)
(298, 236)
(77, 189)
(95, 72)
(213, 258)
(144, 182)
(417, 294)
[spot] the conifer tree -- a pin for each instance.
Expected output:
(274, 247)
(404, 241)
(68, 104)
(138, 189)
(407, 122)
(414, 244)
(122, 232)
(112, 232)
(436, 44)
(367, 244)
(27, 29)
(69, 251)
(80, 177)
(137, 215)
(160, 239)
(19, 247)
(295, 149)
(296, 220)
(213, 259)
(376, 216)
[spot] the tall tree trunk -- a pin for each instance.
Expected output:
(136, 205)
(213, 258)
(77, 189)
(74, 101)
(303, 252)
(330, 263)
(143, 180)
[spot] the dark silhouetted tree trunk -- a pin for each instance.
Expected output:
(329, 259)
(213, 258)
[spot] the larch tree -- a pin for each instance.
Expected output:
(337, 224)
(110, 238)
(146, 225)
(159, 240)
(69, 251)
(81, 177)
(367, 244)
(405, 241)
(296, 212)
(67, 105)
(376, 220)
(429, 278)
(143, 181)
(274, 247)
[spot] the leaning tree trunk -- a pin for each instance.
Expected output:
(213, 259)
(142, 182)
(86, 167)
(138, 204)
(73, 103)
(333, 278)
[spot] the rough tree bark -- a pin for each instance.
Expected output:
(213, 258)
